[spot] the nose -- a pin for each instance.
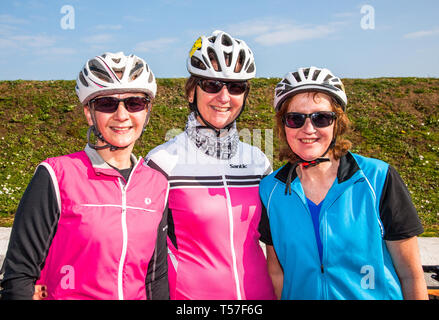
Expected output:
(121, 113)
(308, 127)
(224, 95)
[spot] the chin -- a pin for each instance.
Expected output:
(310, 157)
(218, 124)
(121, 143)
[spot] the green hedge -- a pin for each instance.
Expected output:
(393, 119)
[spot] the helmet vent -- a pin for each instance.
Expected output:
(306, 72)
(197, 63)
(206, 61)
(297, 77)
(116, 60)
(251, 68)
(246, 66)
(240, 61)
(213, 59)
(228, 58)
(82, 79)
(328, 77)
(119, 72)
(98, 71)
(136, 71)
(316, 74)
(226, 41)
(151, 78)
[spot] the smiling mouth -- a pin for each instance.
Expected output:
(308, 141)
(221, 109)
(121, 129)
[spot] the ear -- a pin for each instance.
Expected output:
(88, 115)
(191, 95)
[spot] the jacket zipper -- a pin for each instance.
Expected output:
(232, 245)
(322, 266)
(123, 188)
(124, 241)
(324, 247)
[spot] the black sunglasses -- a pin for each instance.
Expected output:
(320, 119)
(215, 86)
(110, 104)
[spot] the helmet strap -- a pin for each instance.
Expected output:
(306, 164)
(148, 114)
(98, 134)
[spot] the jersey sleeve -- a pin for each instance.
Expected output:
(34, 226)
(157, 287)
(397, 212)
(264, 227)
(268, 168)
(261, 156)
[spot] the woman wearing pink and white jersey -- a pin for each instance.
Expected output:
(92, 224)
(214, 206)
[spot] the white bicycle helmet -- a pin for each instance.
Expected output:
(234, 59)
(309, 79)
(99, 76)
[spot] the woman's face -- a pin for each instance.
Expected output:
(120, 128)
(309, 142)
(219, 109)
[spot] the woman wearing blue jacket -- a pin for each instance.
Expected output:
(337, 225)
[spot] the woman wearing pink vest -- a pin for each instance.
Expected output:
(214, 204)
(93, 224)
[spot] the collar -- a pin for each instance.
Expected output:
(99, 164)
(222, 147)
(346, 169)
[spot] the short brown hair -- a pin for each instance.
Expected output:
(190, 84)
(341, 127)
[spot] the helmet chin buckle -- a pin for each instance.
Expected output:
(313, 163)
(100, 137)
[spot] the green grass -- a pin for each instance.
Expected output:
(393, 119)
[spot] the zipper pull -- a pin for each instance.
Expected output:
(321, 268)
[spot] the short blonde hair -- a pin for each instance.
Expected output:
(341, 127)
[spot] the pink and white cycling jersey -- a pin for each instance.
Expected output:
(214, 212)
(107, 230)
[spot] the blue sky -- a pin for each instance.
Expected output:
(401, 40)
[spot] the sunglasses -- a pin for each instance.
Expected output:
(320, 119)
(215, 86)
(110, 104)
